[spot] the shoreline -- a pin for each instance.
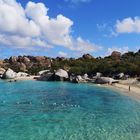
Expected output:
(124, 90)
(25, 78)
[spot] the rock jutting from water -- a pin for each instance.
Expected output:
(59, 75)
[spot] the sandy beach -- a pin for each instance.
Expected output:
(133, 90)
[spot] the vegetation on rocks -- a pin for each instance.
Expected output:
(128, 63)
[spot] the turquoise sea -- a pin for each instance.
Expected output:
(32, 110)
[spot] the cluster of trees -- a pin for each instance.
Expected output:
(128, 63)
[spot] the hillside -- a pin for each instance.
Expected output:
(128, 63)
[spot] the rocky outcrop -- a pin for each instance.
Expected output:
(85, 76)
(121, 75)
(61, 58)
(9, 74)
(72, 78)
(13, 59)
(22, 67)
(43, 72)
(28, 64)
(87, 56)
(39, 58)
(98, 74)
(22, 74)
(61, 75)
(77, 79)
(105, 80)
(1, 63)
(47, 77)
(2, 71)
(116, 55)
(26, 60)
(128, 63)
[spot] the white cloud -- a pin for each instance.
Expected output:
(21, 42)
(128, 25)
(31, 26)
(121, 50)
(55, 30)
(85, 46)
(62, 54)
(13, 20)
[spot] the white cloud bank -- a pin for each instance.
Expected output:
(31, 26)
(128, 25)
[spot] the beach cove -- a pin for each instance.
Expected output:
(61, 110)
(132, 90)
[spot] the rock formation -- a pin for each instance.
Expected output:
(22, 74)
(28, 64)
(105, 80)
(25, 60)
(9, 74)
(22, 67)
(2, 71)
(43, 72)
(77, 79)
(87, 56)
(13, 59)
(98, 74)
(85, 76)
(61, 75)
(47, 77)
(116, 55)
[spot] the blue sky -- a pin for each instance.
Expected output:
(85, 26)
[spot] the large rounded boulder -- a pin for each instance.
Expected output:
(9, 74)
(116, 55)
(105, 80)
(22, 67)
(13, 59)
(26, 60)
(61, 75)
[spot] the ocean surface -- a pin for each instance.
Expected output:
(31, 110)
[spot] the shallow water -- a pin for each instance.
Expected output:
(31, 110)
